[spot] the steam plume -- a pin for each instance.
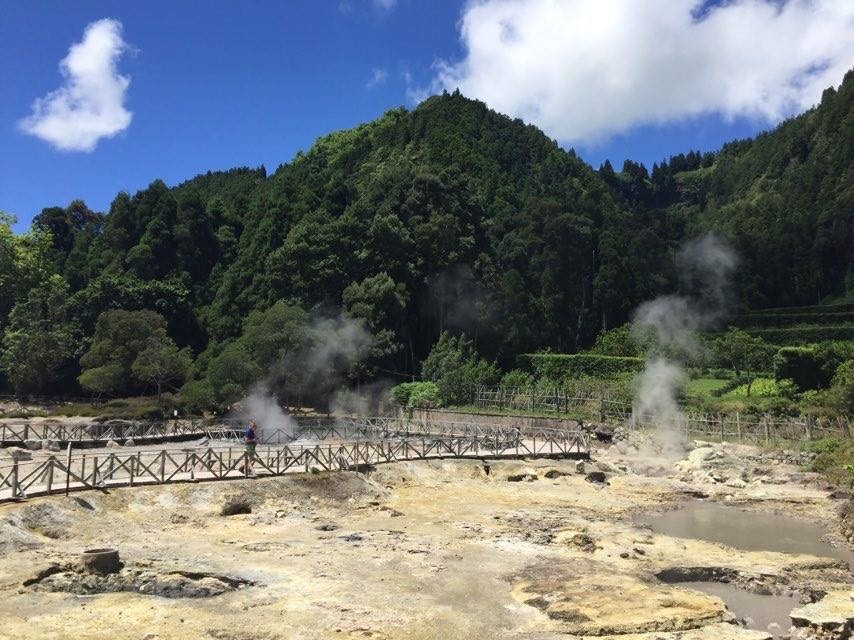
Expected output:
(668, 324)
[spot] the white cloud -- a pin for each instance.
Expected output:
(378, 77)
(587, 69)
(385, 4)
(90, 103)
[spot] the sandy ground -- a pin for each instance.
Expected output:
(438, 549)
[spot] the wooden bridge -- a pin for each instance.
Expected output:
(346, 445)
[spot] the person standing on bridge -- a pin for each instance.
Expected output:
(250, 441)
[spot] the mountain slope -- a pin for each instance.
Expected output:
(451, 216)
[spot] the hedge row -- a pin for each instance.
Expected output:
(819, 309)
(770, 320)
(732, 385)
(804, 334)
(561, 366)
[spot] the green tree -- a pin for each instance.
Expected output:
(231, 373)
(161, 363)
(743, 352)
(120, 336)
(456, 368)
(270, 335)
(108, 378)
(39, 340)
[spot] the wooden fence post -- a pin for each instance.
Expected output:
(49, 474)
(68, 471)
(15, 487)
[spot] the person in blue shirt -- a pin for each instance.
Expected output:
(249, 442)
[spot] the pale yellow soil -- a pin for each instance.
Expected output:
(442, 549)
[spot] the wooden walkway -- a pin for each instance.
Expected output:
(81, 471)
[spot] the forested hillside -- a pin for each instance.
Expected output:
(446, 217)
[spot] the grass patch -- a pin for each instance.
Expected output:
(703, 387)
(835, 459)
(762, 388)
(581, 413)
(129, 408)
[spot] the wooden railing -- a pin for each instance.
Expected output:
(81, 470)
(752, 428)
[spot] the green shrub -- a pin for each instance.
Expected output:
(840, 396)
(731, 385)
(196, 397)
(410, 395)
(811, 367)
(560, 367)
(516, 379)
(424, 396)
(617, 342)
(800, 365)
(456, 368)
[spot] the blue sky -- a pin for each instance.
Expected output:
(221, 84)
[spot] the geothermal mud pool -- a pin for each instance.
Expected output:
(441, 549)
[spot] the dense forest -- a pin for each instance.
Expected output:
(448, 217)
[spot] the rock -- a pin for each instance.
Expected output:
(100, 561)
(178, 518)
(18, 454)
(584, 542)
(328, 526)
(50, 445)
(597, 477)
(604, 433)
(130, 442)
(551, 474)
(32, 444)
(112, 444)
(522, 477)
(831, 618)
(579, 466)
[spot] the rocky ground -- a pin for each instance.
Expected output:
(441, 549)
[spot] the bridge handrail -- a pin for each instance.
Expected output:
(27, 478)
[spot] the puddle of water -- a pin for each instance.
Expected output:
(742, 529)
(763, 610)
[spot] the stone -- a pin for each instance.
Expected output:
(584, 542)
(32, 444)
(831, 618)
(112, 444)
(18, 454)
(50, 445)
(522, 477)
(597, 477)
(130, 442)
(100, 561)
(579, 466)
